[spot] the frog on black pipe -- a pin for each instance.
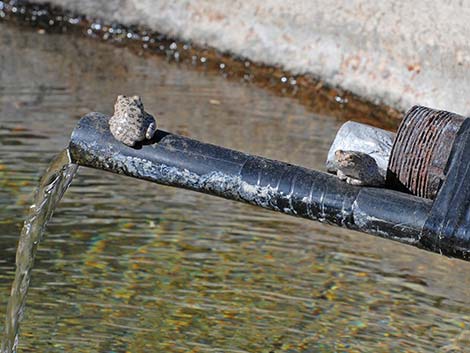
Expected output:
(179, 161)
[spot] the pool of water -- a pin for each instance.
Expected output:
(129, 266)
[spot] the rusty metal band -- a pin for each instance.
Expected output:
(421, 150)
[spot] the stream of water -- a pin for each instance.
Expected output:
(52, 187)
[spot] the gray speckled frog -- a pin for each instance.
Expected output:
(358, 168)
(131, 123)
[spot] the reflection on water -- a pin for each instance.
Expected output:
(52, 187)
(132, 266)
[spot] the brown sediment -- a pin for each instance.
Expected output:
(312, 92)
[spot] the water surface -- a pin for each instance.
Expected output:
(129, 266)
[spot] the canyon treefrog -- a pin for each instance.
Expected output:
(131, 123)
(358, 168)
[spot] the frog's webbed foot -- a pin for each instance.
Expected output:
(342, 176)
(130, 143)
(357, 182)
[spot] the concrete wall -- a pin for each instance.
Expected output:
(395, 52)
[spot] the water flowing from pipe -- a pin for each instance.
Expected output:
(52, 187)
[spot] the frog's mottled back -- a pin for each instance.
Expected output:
(358, 168)
(131, 123)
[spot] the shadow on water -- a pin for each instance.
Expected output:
(52, 187)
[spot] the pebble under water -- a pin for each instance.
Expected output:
(129, 266)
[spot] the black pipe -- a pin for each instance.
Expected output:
(182, 162)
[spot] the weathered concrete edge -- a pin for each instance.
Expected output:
(397, 53)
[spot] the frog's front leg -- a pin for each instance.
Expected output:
(152, 126)
(341, 175)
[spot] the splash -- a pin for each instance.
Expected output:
(52, 187)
